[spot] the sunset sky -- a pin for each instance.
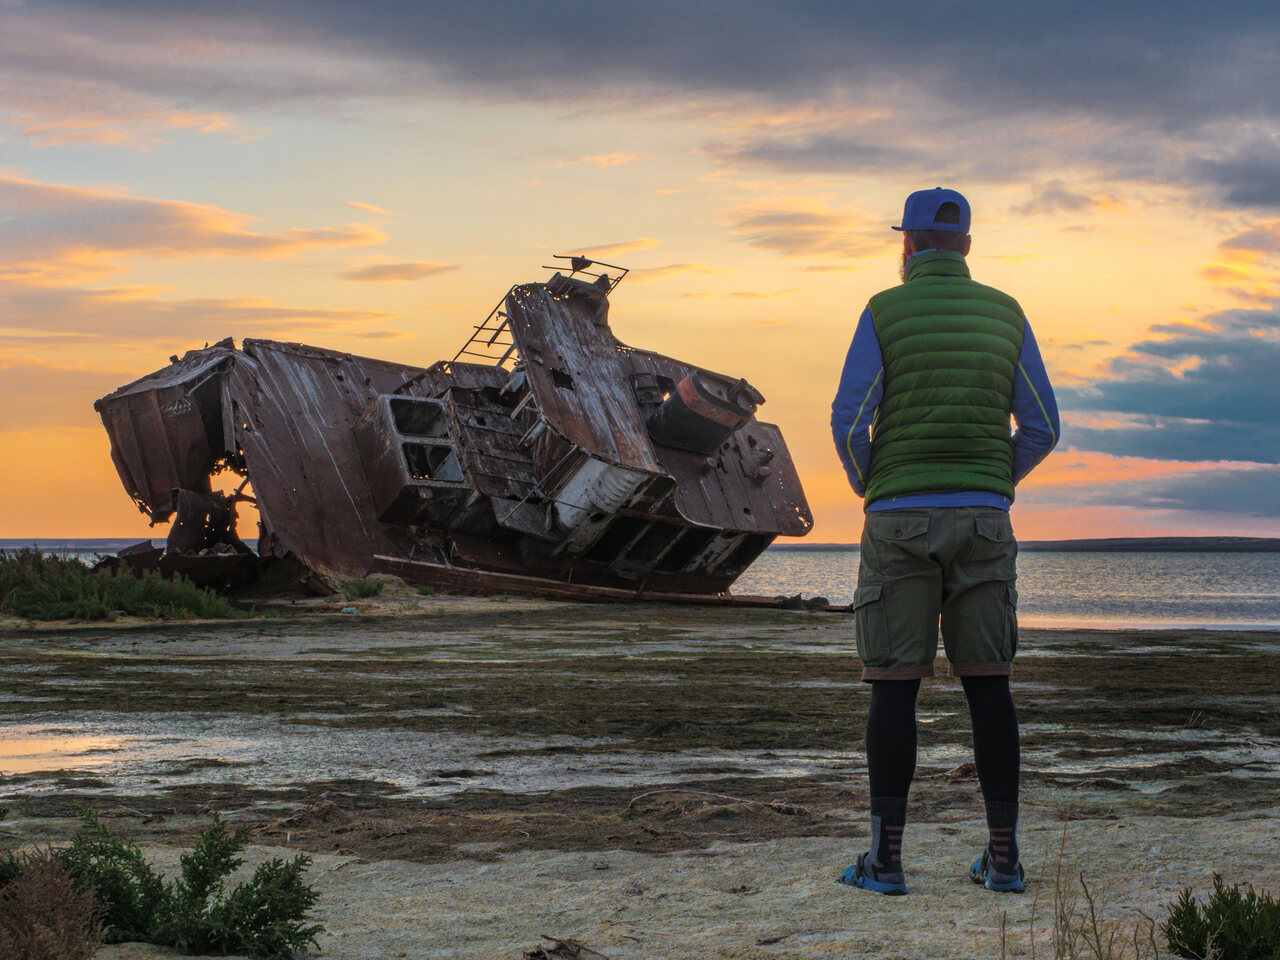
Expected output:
(373, 176)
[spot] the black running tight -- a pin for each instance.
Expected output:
(995, 736)
(891, 736)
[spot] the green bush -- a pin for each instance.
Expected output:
(1233, 924)
(362, 589)
(36, 586)
(266, 916)
(427, 591)
(127, 888)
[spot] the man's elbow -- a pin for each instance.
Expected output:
(840, 429)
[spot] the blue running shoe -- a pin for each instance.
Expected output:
(865, 876)
(985, 875)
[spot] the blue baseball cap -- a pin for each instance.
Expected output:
(921, 211)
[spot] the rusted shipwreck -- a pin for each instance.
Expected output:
(545, 458)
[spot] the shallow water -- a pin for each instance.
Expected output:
(559, 697)
(1223, 591)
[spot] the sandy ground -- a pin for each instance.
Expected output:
(652, 782)
(770, 899)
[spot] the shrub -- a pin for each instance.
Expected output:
(266, 916)
(127, 888)
(1233, 924)
(427, 591)
(263, 917)
(10, 868)
(41, 587)
(363, 588)
(43, 916)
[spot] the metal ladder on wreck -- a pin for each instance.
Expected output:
(492, 339)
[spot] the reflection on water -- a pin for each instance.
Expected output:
(35, 749)
(92, 746)
(1212, 590)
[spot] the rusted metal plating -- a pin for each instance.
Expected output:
(565, 459)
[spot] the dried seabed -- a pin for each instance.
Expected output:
(486, 734)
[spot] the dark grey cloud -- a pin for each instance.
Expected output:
(1199, 394)
(1054, 197)
(1248, 175)
(1264, 239)
(1187, 59)
(822, 153)
(1165, 438)
(1250, 493)
(1126, 89)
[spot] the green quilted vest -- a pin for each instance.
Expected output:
(950, 349)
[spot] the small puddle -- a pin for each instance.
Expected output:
(27, 749)
(37, 749)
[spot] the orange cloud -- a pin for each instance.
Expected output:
(763, 294)
(372, 208)
(1245, 264)
(601, 160)
(613, 249)
(835, 267)
(130, 315)
(76, 113)
(735, 116)
(650, 274)
(56, 233)
(747, 294)
(810, 230)
(1074, 468)
(397, 272)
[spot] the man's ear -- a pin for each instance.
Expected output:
(968, 242)
(908, 247)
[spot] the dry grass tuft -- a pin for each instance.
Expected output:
(44, 917)
(1081, 928)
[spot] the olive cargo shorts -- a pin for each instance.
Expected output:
(957, 565)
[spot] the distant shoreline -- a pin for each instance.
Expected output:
(106, 545)
(1108, 545)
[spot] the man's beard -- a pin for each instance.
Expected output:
(902, 266)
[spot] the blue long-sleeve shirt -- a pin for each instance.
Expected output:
(1035, 411)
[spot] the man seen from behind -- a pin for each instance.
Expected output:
(921, 421)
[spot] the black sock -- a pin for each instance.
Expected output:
(888, 816)
(997, 756)
(1002, 828)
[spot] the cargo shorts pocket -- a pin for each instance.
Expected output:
(993, 551)
(870, 623)
(894, 544)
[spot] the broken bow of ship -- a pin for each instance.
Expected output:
(545, 458)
